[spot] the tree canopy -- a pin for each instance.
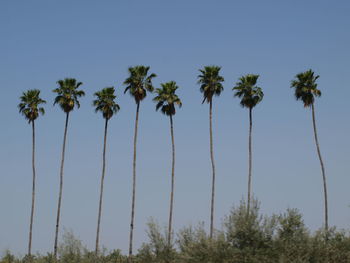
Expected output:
(167, 99)
(306, 87)
(247, 91)
(105, 102)
(138, 82)
(29, 106)
(210, 82)
(68, 94)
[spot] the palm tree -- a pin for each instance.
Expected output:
(210, 82)
(250, 96)
(67, 99)
(138, 83)
(30, 108)
(306, 90)
(166, 101)
(105, 104)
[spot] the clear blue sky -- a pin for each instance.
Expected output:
(96, 41)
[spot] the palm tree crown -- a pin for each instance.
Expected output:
(167, 98)
(210, 81)
(138, 83)
(247, 90)
(105, 103)
(68, 94)
(30, 105)
(306, 87)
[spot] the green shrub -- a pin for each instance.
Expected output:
(244, 238)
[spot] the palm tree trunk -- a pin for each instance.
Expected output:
(213, 169)
(133, 185)
(172, 181)
(61, 186)
(101, 189)
(323, 171)
(250, 160)
(33, 193)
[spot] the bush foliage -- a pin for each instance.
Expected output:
(244, 238)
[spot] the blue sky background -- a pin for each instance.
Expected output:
(96, 41)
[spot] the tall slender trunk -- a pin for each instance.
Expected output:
(61, 186)
(133, 185)
(33, 193)
(323, 171)
(101, 189)
(250, 160)
(172, 181)
(213, 169)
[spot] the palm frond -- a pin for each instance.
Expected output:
(30, 103)
(68, 94)
(211, 82)
(138, 82)
(305, 87)
(166, 98)
(105, 102)
(247, 91)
